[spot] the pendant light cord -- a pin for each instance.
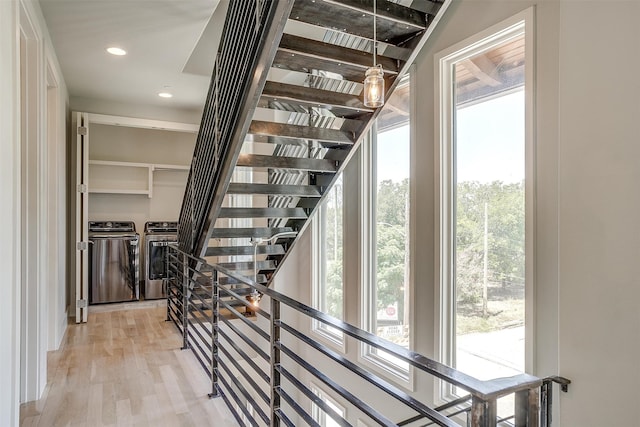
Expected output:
(375, 38)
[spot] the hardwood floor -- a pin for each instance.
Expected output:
(125, 368)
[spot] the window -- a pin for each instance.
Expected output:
(246, 418)
(486, 201)
(328, 266)
(387, 275)
(320, 415)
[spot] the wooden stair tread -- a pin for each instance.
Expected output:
(311, 97)
(280, 162)
(248, 232)
(356, 17)
(244, 250)
(297, 213)
(275, 189)
(282, 130)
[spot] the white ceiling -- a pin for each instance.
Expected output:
(171, 46)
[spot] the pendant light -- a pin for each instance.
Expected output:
(373, 77)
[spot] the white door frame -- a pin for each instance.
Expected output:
(33, 209)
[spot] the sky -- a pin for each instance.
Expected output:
(393, 150)
(490, 140)
(490, 143)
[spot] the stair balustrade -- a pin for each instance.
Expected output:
(262, 362)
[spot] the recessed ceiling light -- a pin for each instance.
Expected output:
(165, 95)
(116, 51)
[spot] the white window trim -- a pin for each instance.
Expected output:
(320, 329)
(316, 411)
(499, 33)
(399, 376)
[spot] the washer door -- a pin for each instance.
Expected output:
(157, 252)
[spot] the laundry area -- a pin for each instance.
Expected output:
(130, 175)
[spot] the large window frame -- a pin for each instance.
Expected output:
(318, 414)
(520, 24)
(326, 333)
(401, 375)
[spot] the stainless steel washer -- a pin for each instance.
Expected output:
(114, 267)
(157, 235)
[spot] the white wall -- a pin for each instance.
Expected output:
(56, 143)
(99, 106)
(42, 194)
(599, 232)
(45, 315)
(9, 211)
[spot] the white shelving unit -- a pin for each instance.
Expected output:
(110, 177)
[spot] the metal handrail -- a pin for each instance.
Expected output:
(485, 390)
(533, 395)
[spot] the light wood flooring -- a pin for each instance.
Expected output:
(125, 368)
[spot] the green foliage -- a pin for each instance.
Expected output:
(334, 293)
(332, 242)
(391, 250)
(392, 202)
(505, 251)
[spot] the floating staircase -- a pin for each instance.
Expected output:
(284, 114)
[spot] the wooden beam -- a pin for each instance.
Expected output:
(278, 162)
(483, 69)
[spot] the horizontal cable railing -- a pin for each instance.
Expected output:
(269, 371)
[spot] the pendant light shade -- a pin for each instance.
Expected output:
(374, 76)
(374, 87)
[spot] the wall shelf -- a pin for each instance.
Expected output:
(113, 177)
(118, 191)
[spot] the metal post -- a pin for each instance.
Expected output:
(275, 361)
(215, 294)
(166, 281)
(527, 408)
(255, 242)
(546, 403)
(483, 413)
(185, 301)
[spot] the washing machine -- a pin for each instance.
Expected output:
(157, 235)
(114, 261)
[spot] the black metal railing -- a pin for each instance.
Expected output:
(263, 364)
(247, 43)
